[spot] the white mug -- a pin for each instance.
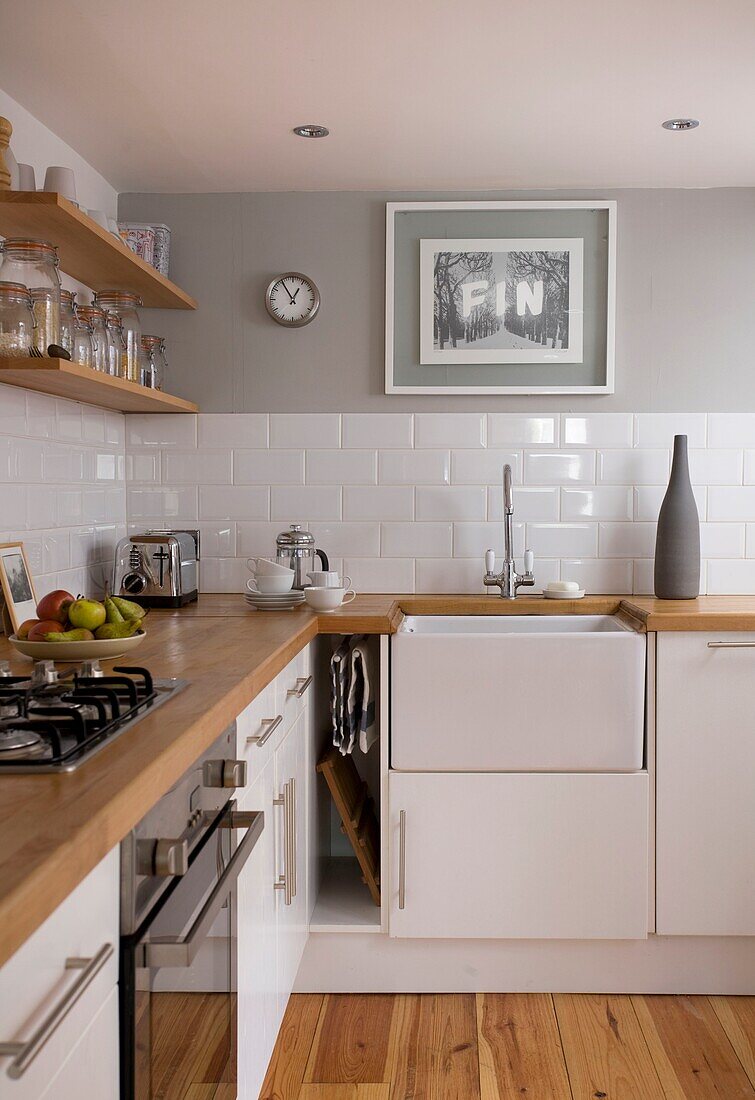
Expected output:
(26, 180)
(328, 599)
(328, 578)
(100, 217)
(61, 180)
(264, 567)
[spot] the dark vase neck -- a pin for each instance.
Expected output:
(680, 465)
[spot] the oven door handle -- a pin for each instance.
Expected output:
(182, 952)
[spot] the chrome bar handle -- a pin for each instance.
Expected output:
(303, 683)
(292, 811)
(402, 859)
(286, 880)
(731, 645)
(24, 1053)
(259, 739)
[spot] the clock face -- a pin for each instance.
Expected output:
(292, 299)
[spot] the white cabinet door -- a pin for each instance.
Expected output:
(91, 1068)
(705, 817)
(519, 855)
(291, 855)
(257, 950)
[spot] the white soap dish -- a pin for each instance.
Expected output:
(578, 595)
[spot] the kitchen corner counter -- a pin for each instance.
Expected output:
(56, 828)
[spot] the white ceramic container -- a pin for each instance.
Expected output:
(271, 585)
(328, 599)
(264, 567)
(104, 649)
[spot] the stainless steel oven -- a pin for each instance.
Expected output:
(179, 870)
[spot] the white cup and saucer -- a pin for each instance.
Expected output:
(328, 591)
(269, 578)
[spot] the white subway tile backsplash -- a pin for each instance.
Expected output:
(749, 467)
(165, 503)
(515, 430)
(659, 429)
(233, 502)
(358, 540)
(459, 575)
(305, 430)
(731, 577)
(449, 502)
(731, 430)
(716, 467)
(471, 540)
(70, 424)
(484, 467)
(380, 574)
(304, 503)
(257, 539)
(644, 577)
(598, 576)
(601, 502)
(217, 540)
(722, 540)
(450, 429)
(196, 467)
(222, 574)
(731, 502)
(386, 430)
(94, 427)
(378, 502)
(635, 467)
(276, 467)
(13, 505)
(414, 467)
(626, 540)
(341, 467)
(416, 540)
(556, 540)
(12, 411)
(601, 430)
(161, 430)
(559, 467)
(8, 460)
(223, 430)
(143, 466)
(41, 415)
(530, 504)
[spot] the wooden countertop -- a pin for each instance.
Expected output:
(56, 828)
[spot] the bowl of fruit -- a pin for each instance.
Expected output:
(69, 628)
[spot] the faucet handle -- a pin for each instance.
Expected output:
(489, 561)
(529, 561)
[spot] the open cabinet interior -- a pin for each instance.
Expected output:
(342, 899)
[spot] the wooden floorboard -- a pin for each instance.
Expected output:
(351, 1045)
(737, 1017)
(520, 1047)
(285, 1074)
(433, 1048)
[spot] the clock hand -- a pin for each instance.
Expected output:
(283, 284)
(293, 300)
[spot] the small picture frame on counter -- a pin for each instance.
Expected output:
(18, 592)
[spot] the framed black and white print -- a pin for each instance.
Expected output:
(500, 297)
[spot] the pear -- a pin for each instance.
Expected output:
(81, 634)
(130, 611)
(117, 630)
(113, 614)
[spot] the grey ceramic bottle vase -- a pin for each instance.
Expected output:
(677, 543)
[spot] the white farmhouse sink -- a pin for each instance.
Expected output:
(517, 693)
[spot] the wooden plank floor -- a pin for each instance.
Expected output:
(506, 1046)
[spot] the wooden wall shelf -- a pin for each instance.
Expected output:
(63, 379)
(87, 252)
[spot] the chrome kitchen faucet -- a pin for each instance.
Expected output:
(508, 580)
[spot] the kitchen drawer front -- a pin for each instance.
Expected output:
(35, 982)
(519, 856)
(259, 728)
(91, 1068)
(293, 692)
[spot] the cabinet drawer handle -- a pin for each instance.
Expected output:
(259, 739)
(402, 859)
(24, 1053)
(731, 645)
(287, 881)
(303, 683)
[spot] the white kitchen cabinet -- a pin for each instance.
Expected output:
(514, 855)
(80, 1057)
(705, 818)
(291, 856)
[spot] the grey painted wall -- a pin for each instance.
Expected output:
(685, 302)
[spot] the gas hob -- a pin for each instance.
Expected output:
(53, 721)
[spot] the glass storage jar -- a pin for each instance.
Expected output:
(151, 362)
(67, 319)
(16, 320)
(95, 318)
(35, 264)
(125, 305)
(83, 349)
(116, 345)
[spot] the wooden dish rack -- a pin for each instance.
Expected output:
(357, 812)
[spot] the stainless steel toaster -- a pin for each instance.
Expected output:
(158, 568)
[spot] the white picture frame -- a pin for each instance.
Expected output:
(606, 386)
(17, 583)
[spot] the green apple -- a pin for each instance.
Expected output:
(86, 614)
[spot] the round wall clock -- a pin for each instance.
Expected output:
(292, 299)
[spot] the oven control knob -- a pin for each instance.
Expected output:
(162, 857)
(225, 773)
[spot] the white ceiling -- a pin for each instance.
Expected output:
(185, 95)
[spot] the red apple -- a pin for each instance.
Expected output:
(43, 627)
(54, 606)
(25, 627)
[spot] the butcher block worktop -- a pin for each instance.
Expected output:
(56, 828)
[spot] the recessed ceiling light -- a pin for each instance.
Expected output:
(680, 124)
(311, 130)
